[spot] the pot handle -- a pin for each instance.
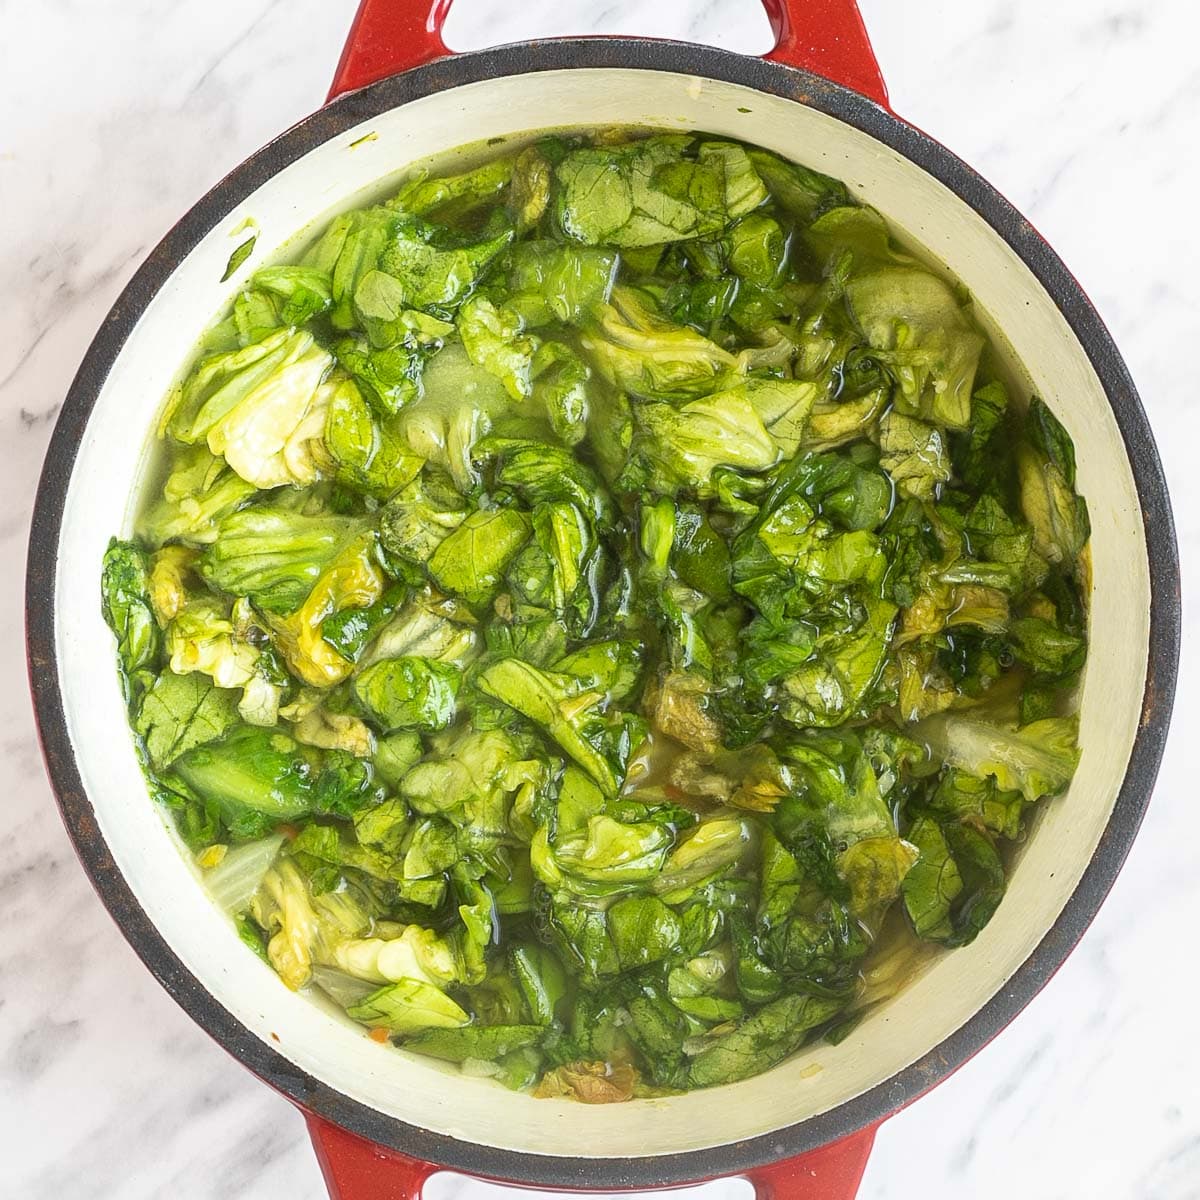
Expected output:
(826, 37)
(355, 1169)
(831, 1172)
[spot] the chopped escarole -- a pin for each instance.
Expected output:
(603, 617)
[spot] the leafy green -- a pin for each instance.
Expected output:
(1041, 645)
(461, 193)
(409, 693)
(470, 562)
(650, 192)
(416, 522)
(934, 882)
(262, 407)
(301, 293)
(200, 490)
(1046, 466)
(480, 1042)
(917, 328)
(239, 256)
(426, 627)
(250, 773)
(180, 712)
(783, 406)
(407, 1006)
(347, 250)
(636, 348)
(470, 779)
(564, 388)
(552, 282)
(540, 697)
(494, 341)
(1036, 760)
(802, 192)
(600, 617)
(977, 801)
(274, 555)
(758, 250)
(760, 1042)
(233, 882)
(391, 377)
(306, 925)
(982, 874)
(125, 604)
(370, 457)
(435, 269)
(689, 443)
(913, 454)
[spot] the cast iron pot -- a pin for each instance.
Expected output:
(382, 1120)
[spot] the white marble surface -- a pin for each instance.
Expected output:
(115, 117)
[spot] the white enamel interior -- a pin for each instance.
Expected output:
(338, 175)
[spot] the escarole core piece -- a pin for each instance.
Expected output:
(262, 407)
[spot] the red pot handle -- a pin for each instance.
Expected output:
(356, 1169)
(831, 1172)
(824, 36)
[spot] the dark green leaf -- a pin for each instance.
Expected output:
(125, 603)
(486, 1042)
(239, 256)
(409, 693)
(180, 712)
(761, 1041)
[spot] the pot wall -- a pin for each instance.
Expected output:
(340, 174)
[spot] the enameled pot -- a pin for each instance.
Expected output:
(382, 1120)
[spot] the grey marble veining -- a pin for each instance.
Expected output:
(114, 118)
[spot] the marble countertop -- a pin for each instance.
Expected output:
(114, 118)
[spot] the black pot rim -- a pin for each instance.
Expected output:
(648, 1170)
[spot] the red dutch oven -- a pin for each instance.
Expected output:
(383, 1121)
